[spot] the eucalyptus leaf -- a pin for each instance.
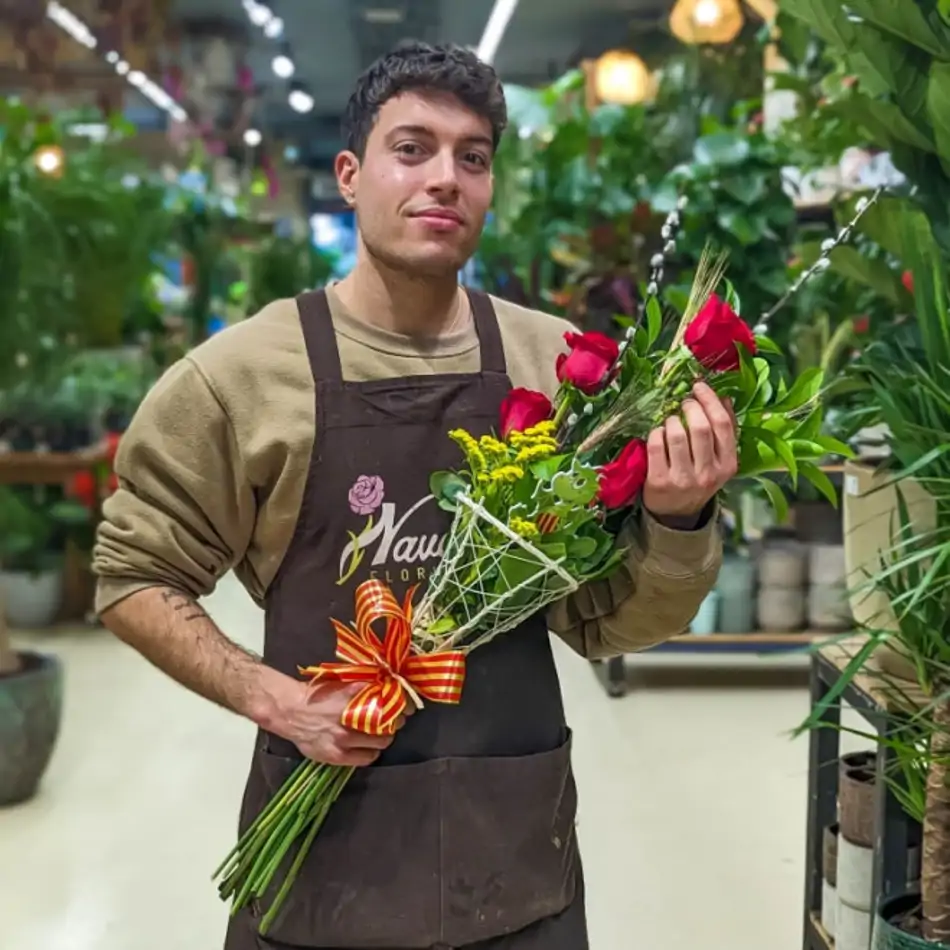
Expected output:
(721, 148)
(446, 486)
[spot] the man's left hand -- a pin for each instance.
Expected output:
(689, 464)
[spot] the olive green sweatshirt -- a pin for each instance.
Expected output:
(213, 467)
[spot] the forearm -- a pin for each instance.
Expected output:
(174, 633)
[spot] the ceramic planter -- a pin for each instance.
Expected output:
(896, 926)
(856, 806)
(736, 586)
(31, 705)
(32, 601)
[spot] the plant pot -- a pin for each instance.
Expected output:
(828, 608)
(855, 876)
(893, 660)
(783, 561)
(31, 700)
(817, 522)
(826, 565)
(736, 587)
(32, 601)
(829, 854)
(897, 926)
(870, 520)
(706, 620)
(856, 806)
(781, 609)
(852, 927)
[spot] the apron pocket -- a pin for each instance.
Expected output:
(371, 877)
(509, 852)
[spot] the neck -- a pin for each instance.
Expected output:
(400, 302)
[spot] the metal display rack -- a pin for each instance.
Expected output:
(894, 836)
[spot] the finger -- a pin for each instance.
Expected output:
(358, 758)
(723, 426)
(657, 460)
(701, 440)
(354, 739)
(677, 446)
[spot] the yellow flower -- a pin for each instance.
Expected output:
(546, 428)
(507, 473)
(491, 446)
(531, 453)
(525, 529)
(470, 447)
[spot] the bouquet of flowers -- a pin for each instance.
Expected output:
(537, 508)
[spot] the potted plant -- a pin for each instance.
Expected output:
(31, 690)
(913, 578)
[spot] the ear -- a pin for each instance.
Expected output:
(346, 166)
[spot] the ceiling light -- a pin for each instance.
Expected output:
(707, 13)
(498, 19)
(300, 101)
(252, 138)
(621, 78)
(274, 28)
(283, 66)
(384, 15)
(706, 21)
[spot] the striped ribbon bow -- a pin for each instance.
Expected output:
(392, 672)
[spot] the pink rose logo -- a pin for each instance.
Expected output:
(367, 494)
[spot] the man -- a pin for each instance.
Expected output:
(296, 448)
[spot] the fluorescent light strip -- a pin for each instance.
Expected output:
(498, 20)
(67, 21)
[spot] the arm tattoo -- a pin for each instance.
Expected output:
(190, 609)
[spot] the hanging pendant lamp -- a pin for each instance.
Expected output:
(706, 21)
(621, 78)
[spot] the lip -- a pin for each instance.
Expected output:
(441, 218)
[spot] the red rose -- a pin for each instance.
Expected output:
(713, 334)
(907, 279)
(590, 361)
(82, 488)
(522, 409)
(622, 479)
(861, 324)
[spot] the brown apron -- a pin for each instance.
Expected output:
(462, 834)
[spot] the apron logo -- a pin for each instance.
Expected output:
(409, 552)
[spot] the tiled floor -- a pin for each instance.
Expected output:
(692, 806)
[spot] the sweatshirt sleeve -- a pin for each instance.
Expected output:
(184, 511)
(650, 598)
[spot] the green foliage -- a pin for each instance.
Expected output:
(899, 52)
(282, 267)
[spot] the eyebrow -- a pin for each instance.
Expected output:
(425, 130)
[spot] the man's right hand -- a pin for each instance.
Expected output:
(309, 717)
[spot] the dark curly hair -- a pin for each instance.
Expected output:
(415, 65)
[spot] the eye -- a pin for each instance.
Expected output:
(476, 158)
(409, 149)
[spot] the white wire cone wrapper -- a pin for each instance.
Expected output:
(457, 588)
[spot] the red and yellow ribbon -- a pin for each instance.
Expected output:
(392, 671)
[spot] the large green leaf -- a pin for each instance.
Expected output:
(899, 68)
(938, 107)
(887, 123)
(721, 148)
(849, 262)
(825, 17)
(910, 21)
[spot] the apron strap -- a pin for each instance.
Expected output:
(489, 335)
(320, 337)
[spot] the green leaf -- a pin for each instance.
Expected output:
(766, 345)
(886, 122)
(776, 443)
(850, 263)
(820, 480)
(442, 626)
(581, 548)
(732, 296)
(446, 486)
(654, 321)
(805, 388)
(745, 228)
(909, 21)
(776, 497)
(721, 148)
(747, 189)
(836, 446)
(938, 108)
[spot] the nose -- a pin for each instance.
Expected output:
(443, 178)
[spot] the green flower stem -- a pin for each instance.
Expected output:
(337, 785)
(290, 787)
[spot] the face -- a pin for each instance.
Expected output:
(424, 185)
